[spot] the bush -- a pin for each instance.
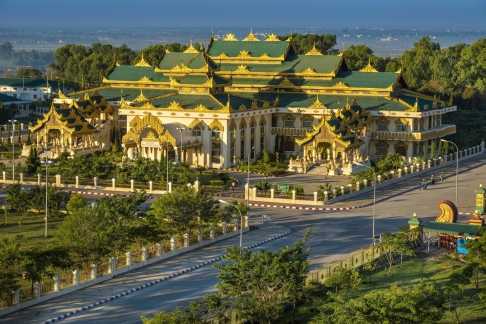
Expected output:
(216, 182)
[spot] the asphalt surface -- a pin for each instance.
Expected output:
(334, 234)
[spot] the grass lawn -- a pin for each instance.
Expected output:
(430, 268)
(31, 232)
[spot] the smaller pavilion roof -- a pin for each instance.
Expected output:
(452, 228)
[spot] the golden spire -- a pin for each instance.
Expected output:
(317, 104)
(369, 67)
(416, 104)
(272, 38)
(230, 37)
(354, 103)
(228, 104)
(191, 49)
(314, 51)
(251, 37)
(142, 62)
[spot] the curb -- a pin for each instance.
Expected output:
(88, 193)
(153, 282)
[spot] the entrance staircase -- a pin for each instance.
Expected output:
(319, 169)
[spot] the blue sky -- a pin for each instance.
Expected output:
(410, 14)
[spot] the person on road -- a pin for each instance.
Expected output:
(432, 179)
(424, 184)
(441, 176)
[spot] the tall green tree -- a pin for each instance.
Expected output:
(32, 162)
(10, 261)
(304, 43)
(259, 285)
(185, 210)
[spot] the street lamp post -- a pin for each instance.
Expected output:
(241, 220)
(167, 157)
(47, 163)
(457, 164)
(13, 121)
(374, 197)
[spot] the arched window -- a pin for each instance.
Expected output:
(196, 131)
(288, 122)
(242, 130)
(382, 126)
(382, 150)
(233, 133)
(252, 129)
(306, 123)
(215, 133)
(401, 127)
(262, 128)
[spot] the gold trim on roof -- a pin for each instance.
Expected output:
(230, 38)
(286, 83)
(317, 104)
(140, 97)
(244, 54)
(340, 84)
(314, 51)
(216, 123)
(369, 67)
(251, 37)
(272, 38)
(174, 105)
(308, 71)
(142, 62)
(145, 80)
(242, 69)
(191, 49)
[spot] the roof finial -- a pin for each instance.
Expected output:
(228, 104)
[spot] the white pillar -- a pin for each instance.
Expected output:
(112, 266)
(94, 272)
(21, 177)
(159, 249)
(132, 185)
(350, 186)
(77, 181)
(76, 278)
(357, 186)
(173, 244)
(39, 179)
(334, 192)
(4, 173)
(315, 197)
(224, 225)
(170, 187)
(365, 183)
(272, 194)
(37, 289)
(200, 236)
(343, 192)
(211, 233)
(151, 186)
(186, 239)
(378, 179)
(326, 196)
(293, 196)
(144, 254)
(113, 184)
(95, 182)
(246, 192)
(57, 284)
(129, 259)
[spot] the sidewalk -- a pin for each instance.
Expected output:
(118, 287)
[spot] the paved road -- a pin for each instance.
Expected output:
(334, 234)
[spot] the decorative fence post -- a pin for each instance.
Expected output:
(132, 185)
(113, 184)
(247, 193)
(76, 278)
(186, 239)
(77, 181)
(144, 254)
(399, 173)
(112, 266)
(272, 194)
(129, 259)
(326, 195)
(58, 180)
(343, 191)
(334, 193)
(405, 170)
(17, 298)
(429, 164)
(293, 196)
(350, 186)
(57, 284)
(423, 165)
(173, 244)
(392, 175)
(94, 272)
(39, 178)
(21, 177)
(95, 182)
(4, 173)
(151, 185)
(378, 178)
(254, 193)
(159, 249)
(170, 187)
(200, 235)
(211, 233)
(197, 184)
(37, 289)
(365, 183)
(224, 227)
(358, 186)
(315, 197)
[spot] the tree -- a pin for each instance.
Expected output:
(32, 162)
(357, 57)
(262, 186)
(76, 201)
(341, 277)
(39, 262)
(395, 243)
(304, 43)
(89, 234)
(260, 284)
(10, 261)
(28, 72)
(18, 199)
(184, 210)
(419, 304)
(152, 55)
(6, 50)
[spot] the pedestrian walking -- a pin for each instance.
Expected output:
(432, 179)
(441, 176)
(424, 184)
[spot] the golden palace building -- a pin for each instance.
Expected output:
(220, 106)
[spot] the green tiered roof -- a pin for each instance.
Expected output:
(254, 48)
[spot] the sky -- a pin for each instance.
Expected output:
(387, 14)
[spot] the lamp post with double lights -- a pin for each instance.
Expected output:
(167, 157)
(47, 164)
(457, 163)
(13, 121)
(374, 197)
(241, 220)
(248, 192)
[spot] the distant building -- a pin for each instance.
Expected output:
(22, 105)
(32, 89)
(240, 97)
